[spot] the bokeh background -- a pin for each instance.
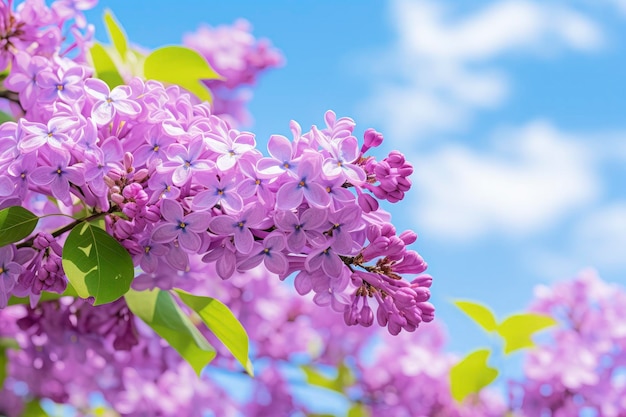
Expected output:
(512, 112)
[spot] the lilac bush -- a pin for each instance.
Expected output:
(117, 189)
(159, 167)
(144, 235)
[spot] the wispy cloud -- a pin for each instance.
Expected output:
(442, 68)
(528, 181)
(601, 236)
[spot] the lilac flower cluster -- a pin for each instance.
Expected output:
(581, 368)
(174, 181)
(39, 29)
(70, 349)
(239, 58)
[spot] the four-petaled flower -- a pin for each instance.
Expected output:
(268, 251)
(109, 102)
(177, 226)
(239, 226)
(291, 193)
(58, 175)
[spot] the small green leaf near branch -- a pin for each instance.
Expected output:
(16, 223)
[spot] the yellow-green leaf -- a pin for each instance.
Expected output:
(159, 310)
(182, 66)
(104, 66)
(5, 344)
(6, 117)
(481, 314)
(315, 377)
(33, 409)
(96, 264)
(116, 34)
(224, 325)
(517, 330)
(471, 374)
(359, 410)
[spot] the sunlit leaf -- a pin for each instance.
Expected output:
(182, 66)
(224, 325)
(518, 329)
(104, 66)
(345, 376)
(358, 410)
(471, 374)
(33, 409)
(16, 223)
(315, 377)
(96, 264)
(481, 314)
(159, 310)
(116, 34)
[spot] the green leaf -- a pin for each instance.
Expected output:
(4, 361)
(481, 314)
(471, 374)
(358, 410)
(345, 376)
(5, 344)
(224, 325)
(8, 343)
(5, 117)
(315, 377)
(16, 223)
(45, 296)
(159, 310)
(116, 34)
(182, 66)
(517, 330)
(105, 67)
(96, 264)
(33, 409)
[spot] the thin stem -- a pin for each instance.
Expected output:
(66, 228)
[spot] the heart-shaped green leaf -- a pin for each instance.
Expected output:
(96, 264)
(481, 314)
(517, 330)
(182, 66)
(471, 374)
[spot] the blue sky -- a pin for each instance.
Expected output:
(512, 112)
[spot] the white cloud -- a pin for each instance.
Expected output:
(441, 68)
(596, 240)
(601, 236)
(532, 178)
